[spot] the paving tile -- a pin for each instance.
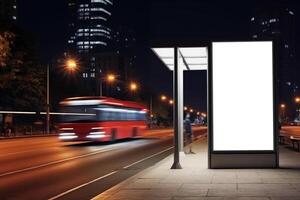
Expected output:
(197, 198)
(191, 193)
(224, 180)
(249, 180)
(222, 192)
(281, 180)
(208, 186)
(284, 198)
(284, 192)
(246, 198)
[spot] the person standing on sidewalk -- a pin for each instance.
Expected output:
(188, 133)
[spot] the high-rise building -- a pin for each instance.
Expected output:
(89, 25)
(101, 44)
(278, 23)
(8, 13)
(89, 36)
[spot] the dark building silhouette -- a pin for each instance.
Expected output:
(278, 23)
(8, 13)
(101, 45)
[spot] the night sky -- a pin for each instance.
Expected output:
(153, 20)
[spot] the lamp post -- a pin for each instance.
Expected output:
(297, 100)
(48, 101)
(282, 107)
(71, 66)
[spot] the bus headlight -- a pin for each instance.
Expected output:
(96, 133)
(67, 136)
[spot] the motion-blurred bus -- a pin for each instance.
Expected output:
(100, 119)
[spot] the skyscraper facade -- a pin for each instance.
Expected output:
(89, 36)
(101, 45)
(278, 23)
(89, 25)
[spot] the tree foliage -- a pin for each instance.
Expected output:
(6, 39)
(22, 80)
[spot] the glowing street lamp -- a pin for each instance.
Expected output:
(191, 110)
(163, 97)
(171, 102)
(185, 108)
(133, 86)
(198, 113)
(282, 106)
(282, 111)
(71, 65)
(110, 78)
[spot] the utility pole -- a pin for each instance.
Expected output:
(48, 101)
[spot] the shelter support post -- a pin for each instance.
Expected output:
(177, 111)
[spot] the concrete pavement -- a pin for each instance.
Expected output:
(197, 182)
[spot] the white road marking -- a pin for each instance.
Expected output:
(104, 176)
(54, 162)
(80, 186)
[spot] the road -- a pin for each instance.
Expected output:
(45, 168)
(291, 130)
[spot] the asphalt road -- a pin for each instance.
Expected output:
(291, 130)
(45, 168)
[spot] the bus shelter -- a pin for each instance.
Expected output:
(242, 111)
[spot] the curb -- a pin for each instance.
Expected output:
(113, 190)
(110, 192)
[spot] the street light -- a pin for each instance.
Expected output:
(297, 100)
(133, 87)
(111, 78)
(171, 102)
(185, 108)
(163, 97)
(191, 110)
(71, 65)
(282, 106)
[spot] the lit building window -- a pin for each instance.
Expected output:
(85, 75)
(101, 9)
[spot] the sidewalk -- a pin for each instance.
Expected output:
(196, 182)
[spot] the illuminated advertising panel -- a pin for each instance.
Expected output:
(243, 103)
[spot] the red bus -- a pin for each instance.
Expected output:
(101, 119)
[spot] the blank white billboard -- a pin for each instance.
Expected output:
(242, 74)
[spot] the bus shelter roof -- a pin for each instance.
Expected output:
(189, 58)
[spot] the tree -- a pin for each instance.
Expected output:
(22, 80)
(6, 39)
